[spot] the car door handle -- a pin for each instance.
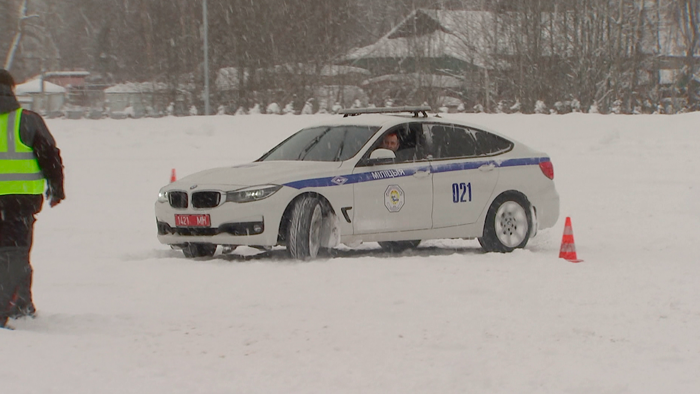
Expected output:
(487, 167)
(421, 173)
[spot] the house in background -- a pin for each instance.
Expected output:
(477, 56)
(78, 93)
(341, 85)
(67, 79)
(50, 92)
(138, 99)
(670, 63)
(41, 96)
(429, 56)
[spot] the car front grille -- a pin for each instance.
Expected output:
(206, 199)
(177, 199)
(196, 231)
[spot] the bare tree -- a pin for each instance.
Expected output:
(597, 51)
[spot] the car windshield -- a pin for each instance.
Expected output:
(326, 143)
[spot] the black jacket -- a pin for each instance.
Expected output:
(34, 133)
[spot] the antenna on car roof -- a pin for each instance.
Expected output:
(422, 109)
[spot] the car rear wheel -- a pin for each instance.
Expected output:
(192, 250)
(398, 246)
(305, 228)
(508, 224)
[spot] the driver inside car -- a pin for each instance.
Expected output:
(391, 142)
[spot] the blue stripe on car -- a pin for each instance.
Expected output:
(400, 173)
(471, 165)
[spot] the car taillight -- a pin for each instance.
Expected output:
(547, 169)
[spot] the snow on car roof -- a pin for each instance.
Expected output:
(366, 120)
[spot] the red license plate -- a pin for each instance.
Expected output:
(192, 221)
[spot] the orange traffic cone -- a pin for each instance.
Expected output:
(568, 249)
(172, 176)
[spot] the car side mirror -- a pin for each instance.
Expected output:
(381, 156)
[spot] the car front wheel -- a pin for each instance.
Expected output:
(192, 250)
(508, 224)
(305, 229)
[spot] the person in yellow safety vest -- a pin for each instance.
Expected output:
(30, 162)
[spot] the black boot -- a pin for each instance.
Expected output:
(19, 311)
(3, 324)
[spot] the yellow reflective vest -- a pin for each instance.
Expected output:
(19, 170)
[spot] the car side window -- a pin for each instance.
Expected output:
(449, 141)
(411, 142)
(414, 146)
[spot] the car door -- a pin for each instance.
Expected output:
(397, 195)
(464, 176)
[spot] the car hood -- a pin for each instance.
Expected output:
(256, 173)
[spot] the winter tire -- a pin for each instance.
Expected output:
(398, 246)
(508, 224)
(304, 234)
(192, 250)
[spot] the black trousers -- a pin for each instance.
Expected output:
(16, 234)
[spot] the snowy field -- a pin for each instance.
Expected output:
(120, 313)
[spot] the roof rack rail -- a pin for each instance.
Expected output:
(423, 109)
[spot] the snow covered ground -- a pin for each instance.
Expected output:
(120, 313)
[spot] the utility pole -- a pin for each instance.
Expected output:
(206, 58)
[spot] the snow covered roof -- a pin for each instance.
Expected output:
(434, 33)
(137, 87)
(325, 71)
(67, 73)
(34, 86)
(334, 71)
(420, 80)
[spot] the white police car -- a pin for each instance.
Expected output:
(331, 184)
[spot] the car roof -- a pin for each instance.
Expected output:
(367, 120)
(390, 120)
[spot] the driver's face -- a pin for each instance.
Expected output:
(391, 141)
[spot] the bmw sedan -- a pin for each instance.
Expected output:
(395, 176)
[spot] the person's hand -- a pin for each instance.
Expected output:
(54, 196)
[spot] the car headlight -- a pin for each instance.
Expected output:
(162, 196)
(254, 193)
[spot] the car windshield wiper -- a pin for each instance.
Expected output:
(311, 144)
(340, 148)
